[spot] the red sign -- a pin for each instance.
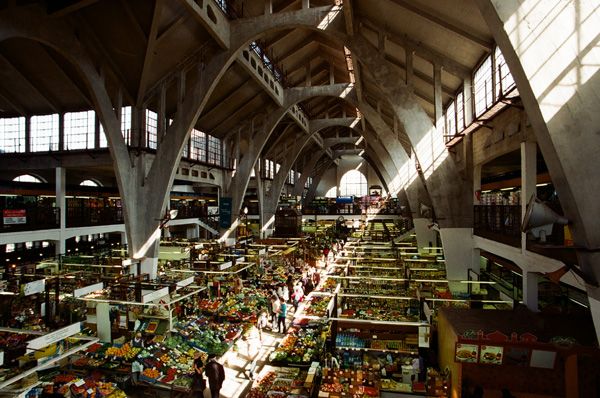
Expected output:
(14, 217)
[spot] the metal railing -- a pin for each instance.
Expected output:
(36, 217)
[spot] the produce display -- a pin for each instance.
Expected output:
(327, 285)
(317, 305)
(67, 384)
(373, 308)
(243, 306)
(208, 336)
(282, 383)
(299, 346)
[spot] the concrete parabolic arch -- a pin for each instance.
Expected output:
(551, 48)
(451, 193)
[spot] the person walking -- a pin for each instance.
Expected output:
(281, 315)
(199, 384)
(275, 307)
(215, 372)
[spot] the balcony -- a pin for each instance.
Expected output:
(501, 223)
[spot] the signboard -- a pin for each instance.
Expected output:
(14, 217)
(491, 354)
(225, 265)
(84, 291)
(466, 353)
(53, 337)
(542, 359)
(225, 212)
(34, 287)
(185, 282)
(516, 356)
(155, 295)
(344, 199)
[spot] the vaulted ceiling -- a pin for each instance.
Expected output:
(142, 46)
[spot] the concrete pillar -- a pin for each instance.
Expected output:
(192, 231)
(27, 134)
(61, 204)
(530, 290)
(426, 236)
(123, 238)
(305, 4)
(61, 132)
(528, 180)
(458, 253)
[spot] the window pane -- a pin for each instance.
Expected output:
(79, 130)
(44, 133)
(103, 141)
(12, 135)
(126, 124)
(214, 150)
(151, 129)
(483, 87)
(450, 120)
(198, 146)
(353, 183)
(504, 80)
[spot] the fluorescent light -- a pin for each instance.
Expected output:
(486, 191)
(507, 189)
(542, 184)
(359, 140)
(361, 152)
(577, 302)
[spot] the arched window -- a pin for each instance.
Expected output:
(28, 178)
(90, 183)
(353, 183)
(332, 193)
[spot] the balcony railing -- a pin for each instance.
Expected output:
(36, 217)
(498, 222)
(90, 216)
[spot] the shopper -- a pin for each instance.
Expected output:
(215, 372)
(274, 311)
(281, 315)
(199, 384)
(298, 294)
(138, 340)
(261, 323)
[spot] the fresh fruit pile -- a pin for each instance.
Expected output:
(334, 387)
(300, 345)
(317, 306)
(151, 373)
(125, 352)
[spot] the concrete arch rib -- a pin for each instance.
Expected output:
(558, 82)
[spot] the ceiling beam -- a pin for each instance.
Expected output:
(172, 27)
(149, 56)
(308, 41)
(209, 113)
(67, 76)
(134, 21)
(418, 74)
(17, 71)
(448, 64)
(287, 7)
(445, 23)
(13, 103)
(108, 62)
(278, 39)
(71, 8)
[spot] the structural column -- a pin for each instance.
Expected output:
(61, 204)
(528, 180)
(530, 290)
